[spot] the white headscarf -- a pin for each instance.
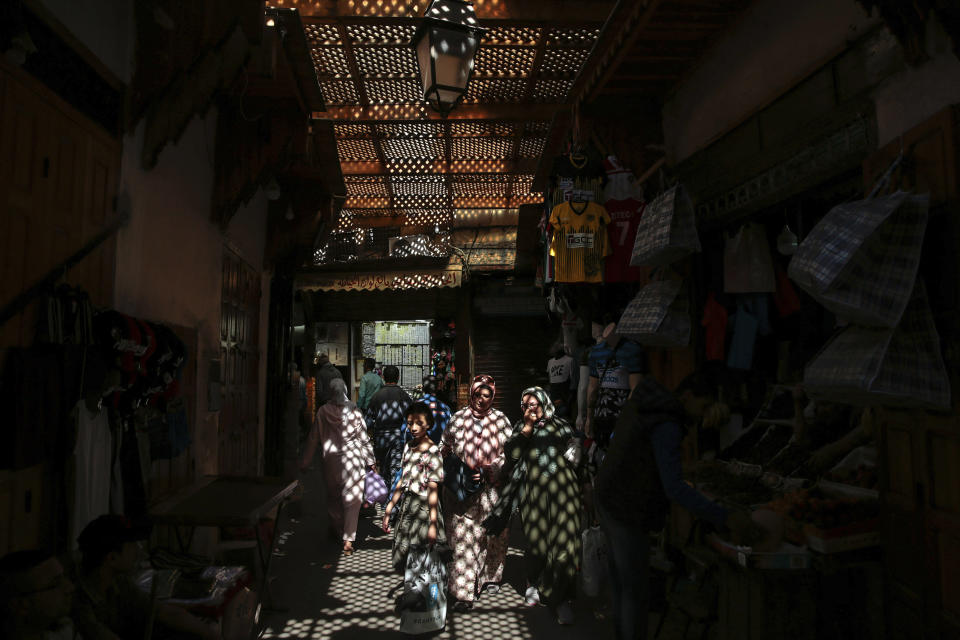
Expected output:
(338, 394)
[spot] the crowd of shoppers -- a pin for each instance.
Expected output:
(457, 480)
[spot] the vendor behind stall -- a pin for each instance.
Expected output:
(831, 430)
(639, 477)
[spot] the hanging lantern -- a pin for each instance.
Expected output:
(446, 42)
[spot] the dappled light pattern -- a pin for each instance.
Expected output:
(420, 468)
(385, 419)
(550, 509)
(347, 454)
(353, 598)
(441, 418)
(476, 435)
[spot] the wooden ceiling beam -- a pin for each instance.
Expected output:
(487, 10)
(439, 167)
(407, 113)
(624, 46)
(643, 77)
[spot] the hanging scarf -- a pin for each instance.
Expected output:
(476, 408)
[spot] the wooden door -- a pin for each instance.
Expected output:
(239, 357)
(902, 525)
(941, 477)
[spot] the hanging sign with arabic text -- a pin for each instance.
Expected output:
(379, 280)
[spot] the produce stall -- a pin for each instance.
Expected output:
(817, 573)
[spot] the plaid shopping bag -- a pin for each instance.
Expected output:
(659, 315)
(667, 231)
(860, 261)
(900, 367)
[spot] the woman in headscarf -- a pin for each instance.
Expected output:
(347, 455)
(476, 435)
(541, 458)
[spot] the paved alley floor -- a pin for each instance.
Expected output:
(321, 594)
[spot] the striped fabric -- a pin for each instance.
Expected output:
(580, 243)
(860, 261)
(895, 367)
(659, 315)
(667, 231)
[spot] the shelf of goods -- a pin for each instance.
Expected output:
(402, 333)
(406, 346)
(827, 518)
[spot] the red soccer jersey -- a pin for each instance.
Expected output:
(624, 220)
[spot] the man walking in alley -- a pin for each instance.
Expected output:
(326, 373)
(370, 383)
(385, 420)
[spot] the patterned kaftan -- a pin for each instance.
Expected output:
(477, 558)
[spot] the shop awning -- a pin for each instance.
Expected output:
(381, 280)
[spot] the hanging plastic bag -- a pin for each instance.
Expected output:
(861, 260)
(374, 488)
(594, 569)
(747, 264)
(423, 604)
(900, 367)
(658, 316)
(667, 231)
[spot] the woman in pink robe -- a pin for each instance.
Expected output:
(347, 455)
(476, 435)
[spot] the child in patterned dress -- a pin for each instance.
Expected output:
(419, 521)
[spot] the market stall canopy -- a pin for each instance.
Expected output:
(408, 170)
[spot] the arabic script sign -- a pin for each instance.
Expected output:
(379, 281)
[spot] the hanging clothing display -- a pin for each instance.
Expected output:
(580, 242)
(715, 326)
(561, 372)
(93, 467)
(583, 188)
(625, 208)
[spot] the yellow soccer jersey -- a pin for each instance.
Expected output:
(580, 242)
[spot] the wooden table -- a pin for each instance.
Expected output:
(229, 501)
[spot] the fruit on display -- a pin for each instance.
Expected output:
(717, 480)
(863, 476)
(824, 511)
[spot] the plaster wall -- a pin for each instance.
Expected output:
(169, 257)
(773, 46)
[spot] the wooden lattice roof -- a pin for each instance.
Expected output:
(406, 167)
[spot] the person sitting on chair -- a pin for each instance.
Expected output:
(35, 597)
(109, 606)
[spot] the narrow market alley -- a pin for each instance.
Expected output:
(324, 595)
(480, 319)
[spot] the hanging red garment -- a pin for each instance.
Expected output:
(624, 219)
(786, 298)
(715, 323)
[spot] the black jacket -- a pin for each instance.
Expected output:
(628, 481)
